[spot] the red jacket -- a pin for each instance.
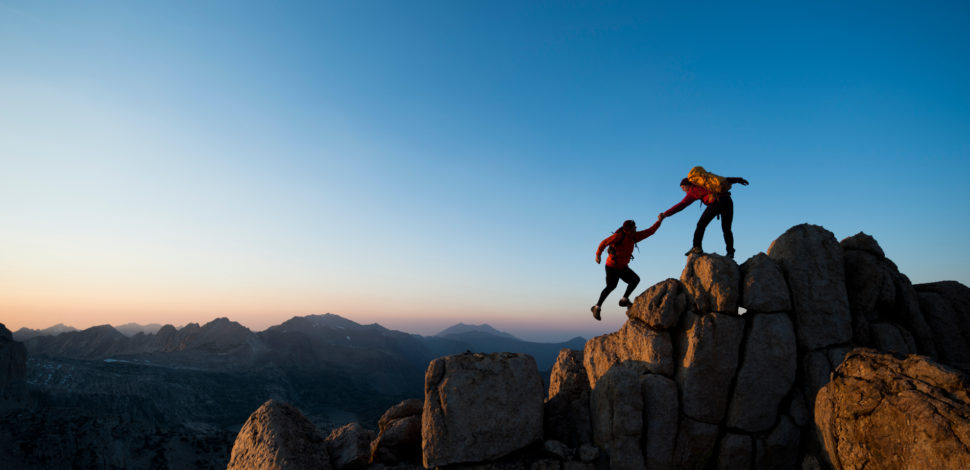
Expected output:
(623, 251)
(697, 192)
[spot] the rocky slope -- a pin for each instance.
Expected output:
(689, 383)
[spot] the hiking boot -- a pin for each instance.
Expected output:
(596, 311)
(694, 251)
(625, 302)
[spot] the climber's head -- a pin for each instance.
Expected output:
(685, 184)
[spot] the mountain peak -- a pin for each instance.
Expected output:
(462, 328)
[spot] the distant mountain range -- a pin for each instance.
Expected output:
(27, 333)
(191, 388)
(225, 343)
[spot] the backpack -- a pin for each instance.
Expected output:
(712, 183)
(611, 249)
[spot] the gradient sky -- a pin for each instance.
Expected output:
(422, 163)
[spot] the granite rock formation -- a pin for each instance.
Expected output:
(688, 382)
(888, 412)
(278, 437)
(399, 437)
(479, 407)
(349, 447)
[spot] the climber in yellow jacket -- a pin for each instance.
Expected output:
(715, 192)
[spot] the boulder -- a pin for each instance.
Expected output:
(882, 411)
(879, 293)
(399, 436)
(695, 444)
(946, 307)
(812, 261)
(660, 420)
(660, 306)
(278, 436)
(567, 415)
(480, 407)
(617, 405)
(864, 243)
(763, 286)
(767, 372)
(712, 281)
(707, 357)
(635, 341)
(349, 446)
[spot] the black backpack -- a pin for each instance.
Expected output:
(616, 241)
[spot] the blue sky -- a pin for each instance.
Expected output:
(418, 164)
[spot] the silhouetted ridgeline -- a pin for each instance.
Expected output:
(177, 397)
(839, 361)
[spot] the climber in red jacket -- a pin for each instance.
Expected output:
(717, 205)
(621, 245)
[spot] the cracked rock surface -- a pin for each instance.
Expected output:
(882, 411)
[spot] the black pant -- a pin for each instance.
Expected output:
(613, 276)
(724, 207)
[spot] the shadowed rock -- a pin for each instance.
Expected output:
(636, 342)
(946, 306)
(812, 261)
(278, 436)
(712, 281)
(884, 305)
(399, 438)
(779, 449)
(734, 452)
(660, 306)
(707, 359)
(766, 374)
(618, 417)
(660, 420)
(885, 412)
(349, 446)
(695, 444)
(480, 407)
(763, 286)
(13, 370)
(567, 413)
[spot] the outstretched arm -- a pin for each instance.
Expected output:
(688, 199)
(741, 181)
(650, 231)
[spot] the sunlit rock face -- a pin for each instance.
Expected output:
(882, 411)
(479, 407)
(278, 437)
